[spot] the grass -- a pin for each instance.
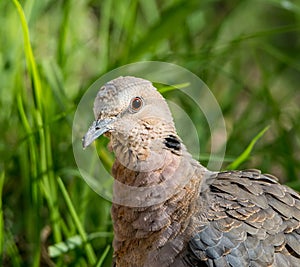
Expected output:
(247, 52)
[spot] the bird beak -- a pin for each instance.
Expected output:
(98, 128)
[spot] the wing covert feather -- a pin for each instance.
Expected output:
(250, 220)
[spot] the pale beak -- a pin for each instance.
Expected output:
(98, 128)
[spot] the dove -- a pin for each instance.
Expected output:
(169, 210)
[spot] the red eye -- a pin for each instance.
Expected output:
(136, 103)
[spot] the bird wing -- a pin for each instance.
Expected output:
(246, 219)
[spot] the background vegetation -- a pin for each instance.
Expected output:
(247, 51)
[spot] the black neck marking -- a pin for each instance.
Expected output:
(172, 142)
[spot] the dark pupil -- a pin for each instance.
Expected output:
(136, 103)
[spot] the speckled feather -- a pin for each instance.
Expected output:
(233, 218)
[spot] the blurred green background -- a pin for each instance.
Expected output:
(246, 51)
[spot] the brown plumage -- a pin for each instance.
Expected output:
(169, 210)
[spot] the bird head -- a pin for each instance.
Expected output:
(136, 118)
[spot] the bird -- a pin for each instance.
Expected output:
(169, 210)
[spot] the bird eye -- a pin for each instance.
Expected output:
(136, 103)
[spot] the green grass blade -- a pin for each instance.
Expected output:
(44, 151)
(104, 34)
(176, 14)
(246, 154)
(2, 176)
(89, 249)
(103, 256)
(61, 44)
(173, 87)
(35, 193)
(11, 250)
(29, 57)
(60, 248)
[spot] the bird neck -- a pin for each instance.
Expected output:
(143, 147)
(161, 214)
